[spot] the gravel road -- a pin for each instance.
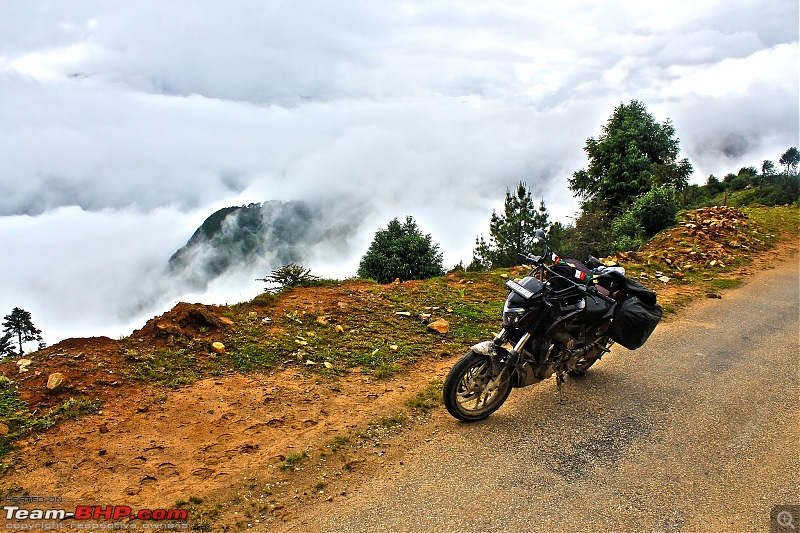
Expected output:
(696, 431)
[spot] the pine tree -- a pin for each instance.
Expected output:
(6, 347)
(510, 233)
(19, 324)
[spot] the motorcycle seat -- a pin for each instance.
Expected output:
(605, 292)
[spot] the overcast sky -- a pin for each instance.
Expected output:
(124, 124)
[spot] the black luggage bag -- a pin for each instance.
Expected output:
(635, 317)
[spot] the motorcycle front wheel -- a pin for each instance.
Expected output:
(470, 392)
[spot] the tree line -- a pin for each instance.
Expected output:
(633, 187)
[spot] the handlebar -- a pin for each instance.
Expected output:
(592, 262)
(536, 259)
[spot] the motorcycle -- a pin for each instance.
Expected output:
(559, 319)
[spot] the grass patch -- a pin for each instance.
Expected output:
(201, 518)
(339, 442)
(726, 283)
(15, 417)
(365, 331)
(427, 399)
(294, 460)
(73, 408)
(171, 368)
(774, 221)
(256, 356)
(393, 420)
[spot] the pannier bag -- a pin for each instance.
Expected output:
(636, 316)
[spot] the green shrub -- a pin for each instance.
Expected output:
(650, 213)
(626, 243)
(401, 251)
(291, 275)
(656, 209)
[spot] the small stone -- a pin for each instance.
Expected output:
(23, 364)
(394, 347)
(339, 328)
(328, 364)
(322, 320)
(441, 325)
(218, 347)
(55, 381)
(403, 313)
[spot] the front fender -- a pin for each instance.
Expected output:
(490, 349)
(498, 356)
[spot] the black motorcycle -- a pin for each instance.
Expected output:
(560, 320)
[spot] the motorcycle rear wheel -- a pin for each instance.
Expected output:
(470, 393)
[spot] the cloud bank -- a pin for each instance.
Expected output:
(124, 125)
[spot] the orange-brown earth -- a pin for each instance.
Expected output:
(239, 448)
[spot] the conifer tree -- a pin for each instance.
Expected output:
(401, 251)
(19, 324)
(510, 233)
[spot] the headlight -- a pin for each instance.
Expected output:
(512, 315)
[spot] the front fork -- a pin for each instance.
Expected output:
(495, 351)
(513, 354)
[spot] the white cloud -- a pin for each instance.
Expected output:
(149, 115)
(737, 76)
(79, 273)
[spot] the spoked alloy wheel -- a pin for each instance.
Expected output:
(470, 392)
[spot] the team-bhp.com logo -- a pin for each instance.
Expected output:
(94, 512)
